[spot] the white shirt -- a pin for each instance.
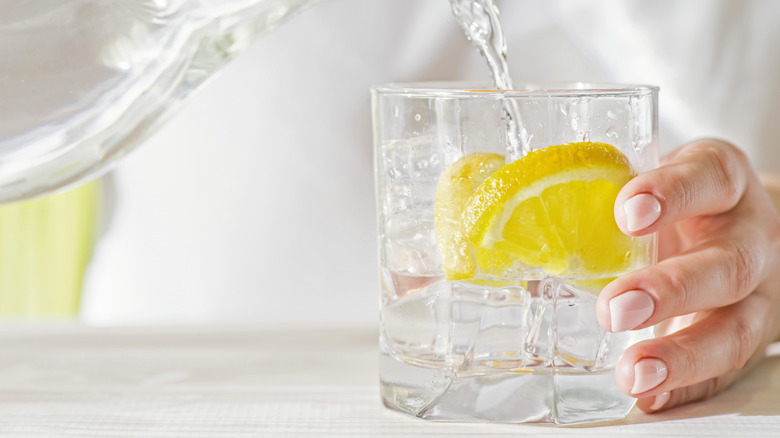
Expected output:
(256, 202)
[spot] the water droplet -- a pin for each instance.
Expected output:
(526, 141)
(395, 111)
(636, 142)
(417, 117)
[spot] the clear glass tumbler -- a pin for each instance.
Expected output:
(496, 233)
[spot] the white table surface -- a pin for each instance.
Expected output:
(65, 379)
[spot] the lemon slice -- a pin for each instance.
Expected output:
(553, 209)
(455, 188)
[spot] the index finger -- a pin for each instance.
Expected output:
(706, 177)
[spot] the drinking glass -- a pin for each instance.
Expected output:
(507, 341)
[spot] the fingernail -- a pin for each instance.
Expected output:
(630, 309)
(660, 401)
(642, 210)
(648, 373)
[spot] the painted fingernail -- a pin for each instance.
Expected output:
(660, 400)
(630, 309)
(648, 373)
(642, 210)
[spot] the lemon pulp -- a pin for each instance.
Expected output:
(551, 209)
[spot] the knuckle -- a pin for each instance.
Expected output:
(709, 169)
(675, 283)
(688, 361)
(679, 188)
(743, 264)
(744, 334)
(697, 392)
(733, 150)
(723, 158)
(684, 395)
(712, 387)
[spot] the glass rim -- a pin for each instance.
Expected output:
(466, 89)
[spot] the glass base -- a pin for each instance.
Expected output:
(442, 395)
(531, 351)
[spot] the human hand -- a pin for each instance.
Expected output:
(716, 288)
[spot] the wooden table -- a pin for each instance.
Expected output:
(65, 379)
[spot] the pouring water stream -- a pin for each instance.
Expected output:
(480, 21)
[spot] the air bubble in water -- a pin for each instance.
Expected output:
(395, 111)
(636, 143)
(611, 115)
(527, 141)
(611, 132)
(586, 136)
(417, 117)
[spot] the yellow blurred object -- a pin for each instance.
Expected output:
(45, 246)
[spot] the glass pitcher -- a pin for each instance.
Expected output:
(83, 82)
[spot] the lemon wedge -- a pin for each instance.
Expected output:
(553, 209)
(455, 188)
